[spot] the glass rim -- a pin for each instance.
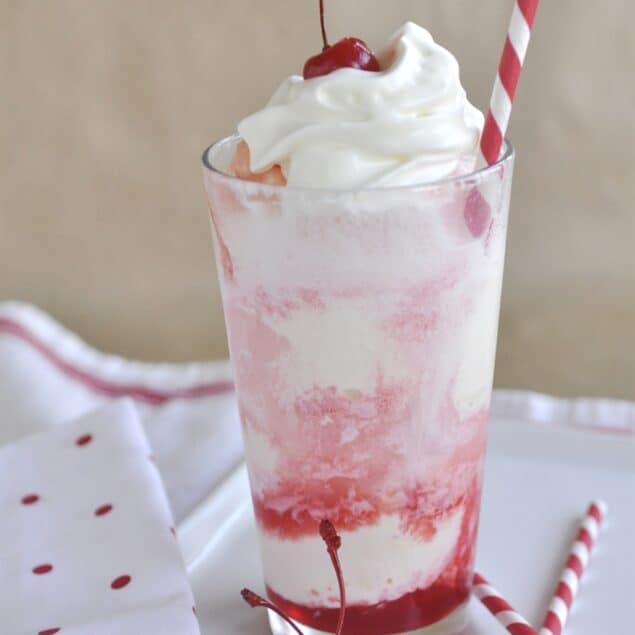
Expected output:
(508, 152)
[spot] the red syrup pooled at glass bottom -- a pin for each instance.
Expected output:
(416, 609)
(411, 611)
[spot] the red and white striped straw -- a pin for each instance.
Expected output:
(515, 623)
(506, 81)
(574, 568)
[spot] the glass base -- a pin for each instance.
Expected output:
(453, 624)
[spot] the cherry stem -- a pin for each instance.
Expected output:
(333, 543)
(326, 44)
(254, 600)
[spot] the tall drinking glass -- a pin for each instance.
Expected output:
(362, 329)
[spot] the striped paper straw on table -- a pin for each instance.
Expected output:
(574, 568)
(506, 81)
(493, 601)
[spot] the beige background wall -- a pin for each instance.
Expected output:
(105, 107)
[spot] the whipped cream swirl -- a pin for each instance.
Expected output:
(407, 124)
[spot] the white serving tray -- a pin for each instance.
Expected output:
(538, 482)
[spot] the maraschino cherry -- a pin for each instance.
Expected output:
(349, 52)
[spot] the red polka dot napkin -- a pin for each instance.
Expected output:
(48, 376)
(87, 544)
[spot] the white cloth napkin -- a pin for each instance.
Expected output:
(48, 376)
(87, 543)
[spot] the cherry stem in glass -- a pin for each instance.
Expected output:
(333, 543)
(254, 600)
